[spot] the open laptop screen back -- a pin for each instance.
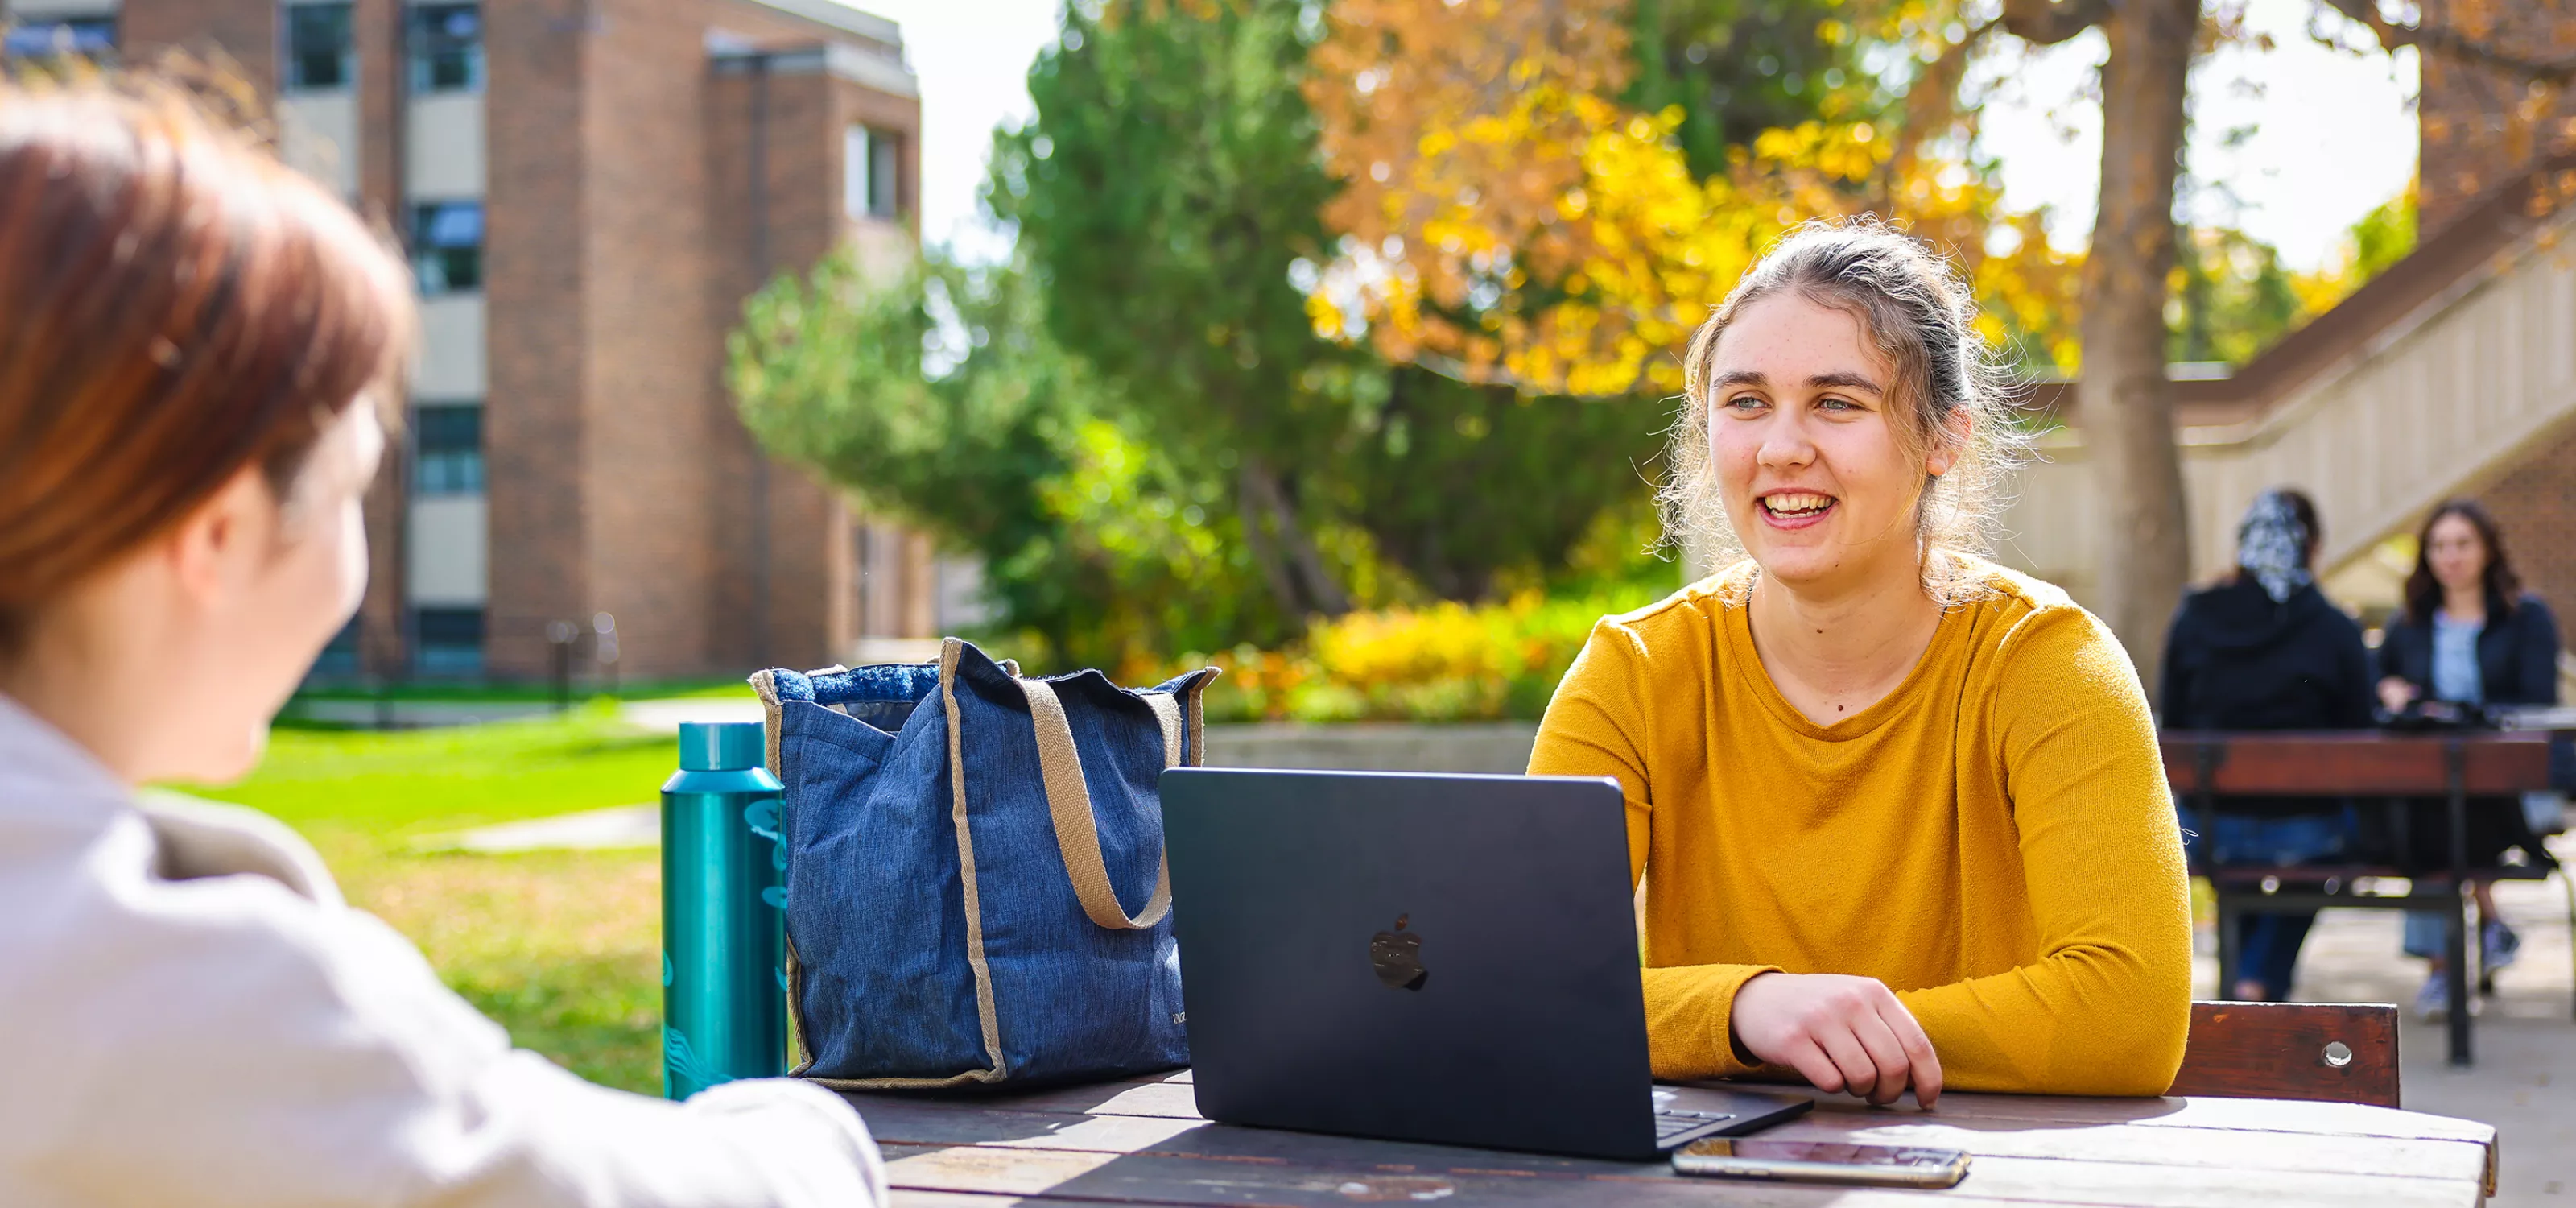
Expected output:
(1425, 957)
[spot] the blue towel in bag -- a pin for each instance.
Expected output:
(976, 891)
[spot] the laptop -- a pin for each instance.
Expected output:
(1442, 958)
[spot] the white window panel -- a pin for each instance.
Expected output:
(448, 551)
(443, 159)
(451, 364)
(318, 136)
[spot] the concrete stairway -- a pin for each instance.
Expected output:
(2451, 368)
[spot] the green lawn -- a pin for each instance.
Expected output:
(563, 948)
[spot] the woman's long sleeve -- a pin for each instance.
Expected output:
(1596, 726)
(2105, 1007)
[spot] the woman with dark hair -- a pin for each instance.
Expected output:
(196, 350)
(2469, 636)
(2265, 650)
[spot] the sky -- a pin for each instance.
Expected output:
(2321, 136)
(2305, 139)
(971, 58)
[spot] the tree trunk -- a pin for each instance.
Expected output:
(1265, 553)
(2125, 402)
(1288, 557)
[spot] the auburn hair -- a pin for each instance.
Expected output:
(175, 306)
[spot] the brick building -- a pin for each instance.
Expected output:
(588, 189)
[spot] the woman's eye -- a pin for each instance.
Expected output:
(1744, 402)
(1837, 404)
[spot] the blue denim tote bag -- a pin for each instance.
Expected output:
(976, 886)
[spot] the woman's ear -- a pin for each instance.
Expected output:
(1949, 442)
(211, 551)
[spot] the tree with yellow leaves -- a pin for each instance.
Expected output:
(1506, 218)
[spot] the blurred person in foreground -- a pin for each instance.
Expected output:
(196, 350)
(1899, 813)
(2470, 636)
(2265, 650)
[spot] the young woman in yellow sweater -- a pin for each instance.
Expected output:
(1898, 812)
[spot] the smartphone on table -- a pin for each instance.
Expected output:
(1822, 1162)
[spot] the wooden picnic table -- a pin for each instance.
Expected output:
(1143, 1142)
(2462, 769)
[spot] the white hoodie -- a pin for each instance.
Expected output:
(189, 1014)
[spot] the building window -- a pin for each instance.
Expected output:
(871, 170)
(448, 641)
(88, 37)
(446, 43)
(447, 440)
(447, 246)
(321, 56)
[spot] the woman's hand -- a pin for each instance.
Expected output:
(2394, 693)
(1840, 1033)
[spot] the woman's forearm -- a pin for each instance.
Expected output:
(2086, 1020)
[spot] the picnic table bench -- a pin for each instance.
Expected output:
(2457, 768)
(1143, 1142)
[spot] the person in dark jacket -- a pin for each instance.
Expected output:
(2470, 636)
(2265, 650)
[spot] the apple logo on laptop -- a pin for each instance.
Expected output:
(1397, 957)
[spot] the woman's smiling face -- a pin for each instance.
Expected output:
(1815, 472)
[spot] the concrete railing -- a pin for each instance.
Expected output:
(2427, 408)
(1378, 747)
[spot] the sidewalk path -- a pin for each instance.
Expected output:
(666, 715)
(616, 827)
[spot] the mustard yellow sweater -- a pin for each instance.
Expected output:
(1994, 840)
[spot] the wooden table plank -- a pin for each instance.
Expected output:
(1197, 1178)
(1169, 1100)
(2224, 1149)
(2349, 762)
(1012, 1127)
(1173, 1099)
(1142, 1142)
(2256, 1115)
(907, 1198)
(1153, 1177)
(2324, 1119)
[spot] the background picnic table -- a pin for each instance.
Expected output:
(1143, 1142)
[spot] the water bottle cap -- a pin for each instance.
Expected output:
(722, 746)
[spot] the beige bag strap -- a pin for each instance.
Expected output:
(1077, 836)
(766, 684)
(986, 1012)
(1167, 714)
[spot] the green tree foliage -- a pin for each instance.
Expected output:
(1168, 192)
(2231, 299)
(1093, 541)
(1167, 183)
(1135, 426)
(2383, 237)
(1460, 483)
(830, 367)
(1739, 67)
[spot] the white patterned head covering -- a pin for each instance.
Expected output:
(2272, 546)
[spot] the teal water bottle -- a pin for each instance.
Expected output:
(724, 900)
